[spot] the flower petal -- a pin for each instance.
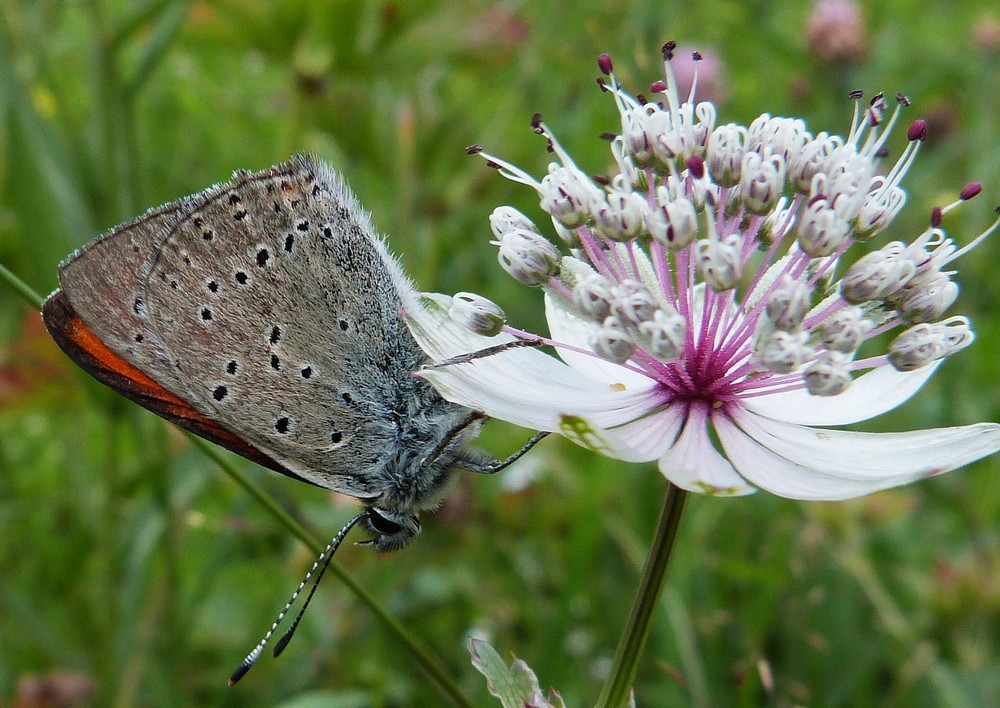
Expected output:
(780, 476)
(523, 385)
(871, 394)
(864, 455)
(604, 442)
(653, 435)
(694, 464)
(806, 463)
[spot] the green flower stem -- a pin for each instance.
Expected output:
(21, 288)
(424, 657)
(618, 689)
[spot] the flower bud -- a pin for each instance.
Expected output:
(567, 195)
(528, 257)
(829, 374)
(719, 262)
(789, 303)
(784, 352)
(806, 163)
(821, 231)
(662, 336)
(761, 181)
(928, 300)
(612, 343)
(507, 218)
(592, 296)
(477, 314)
(845, 330)
(632, 304)
(877, 275)
(925, 343)
(879, 209)
(674, 223)
(620, 216)
(636, 140)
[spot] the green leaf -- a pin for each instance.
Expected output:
(516, 686)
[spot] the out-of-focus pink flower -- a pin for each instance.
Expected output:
(836, 32)
(986, 34)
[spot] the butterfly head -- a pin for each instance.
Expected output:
(390, 530)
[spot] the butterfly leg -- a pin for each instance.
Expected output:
(481, 463)
(483, 353)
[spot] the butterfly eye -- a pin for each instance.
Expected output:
(382, 524)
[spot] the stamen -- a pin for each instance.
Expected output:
(604, 64)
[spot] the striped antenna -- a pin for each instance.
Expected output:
(320, 563)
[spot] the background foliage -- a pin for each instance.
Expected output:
(134, 573)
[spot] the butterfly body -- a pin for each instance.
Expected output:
(266, 315)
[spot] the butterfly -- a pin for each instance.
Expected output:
(266, 316)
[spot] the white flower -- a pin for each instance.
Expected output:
(717, 353)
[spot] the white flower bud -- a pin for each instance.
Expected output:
(632, 304)
(724, 159)
(662, 336)
(784, 352)
(719, 262)
(567, 195)
(845, 330)
(506, 218)
(789, 303)
(777, 136)
(612, 343)
(477, 314)
(678, 134)
(927, 300)
(877, 275)
(761, 181)
(674, 223)
(925, 343)
(812, 159)
(829, 374)
(592, 296)
(878, 210)
(821, 231)
(636, 140)
(528, 257)
(621, 215)
(844, 183)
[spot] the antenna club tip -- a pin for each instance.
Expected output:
(240, 672)
(280, 645)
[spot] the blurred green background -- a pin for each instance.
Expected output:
(133, 573)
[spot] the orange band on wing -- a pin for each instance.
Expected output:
(84, 338)
(85, 348)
